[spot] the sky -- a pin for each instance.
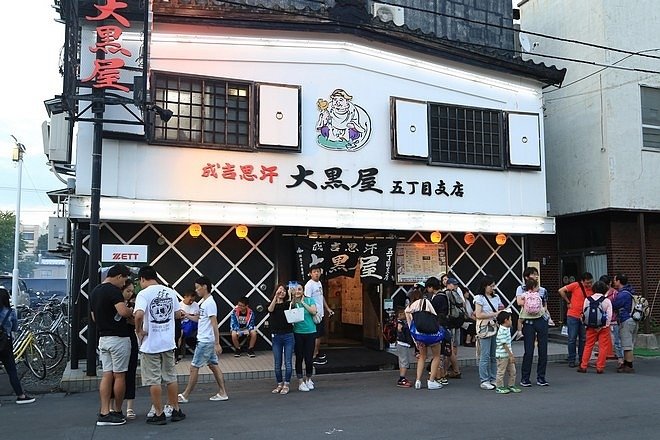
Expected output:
(32, 41)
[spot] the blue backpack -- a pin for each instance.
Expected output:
(593, 315)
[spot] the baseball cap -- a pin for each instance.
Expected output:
(453, 281)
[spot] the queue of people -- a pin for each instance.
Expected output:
(440, 316)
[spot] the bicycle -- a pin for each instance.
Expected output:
(52, 347)
(26, 350)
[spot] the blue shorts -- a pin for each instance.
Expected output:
(204, 355)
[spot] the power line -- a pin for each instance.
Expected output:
(537, 34)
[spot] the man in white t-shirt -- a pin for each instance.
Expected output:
(314, 290)
(156, 307)
(208, 342)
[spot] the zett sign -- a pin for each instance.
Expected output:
(124, 254)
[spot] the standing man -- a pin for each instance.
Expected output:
(208, 347)
(156, 307)
(314, 290)
(109, 311)
(579, 291)
(628, 327)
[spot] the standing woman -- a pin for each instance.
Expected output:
(418, 303)
(486, 307)
(129, 295)
(9, 324)
(304, 333)
(283, 340)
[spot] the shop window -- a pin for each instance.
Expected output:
(220, 113)
(466, 136)
(650, 118)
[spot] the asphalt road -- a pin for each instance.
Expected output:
(370, 406)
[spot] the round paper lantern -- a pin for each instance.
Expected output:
(469, 238)
(500, 239)
(241, 231)
(436, 237)
(195, 230)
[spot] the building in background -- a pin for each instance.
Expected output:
(30, 234)
(602, 129)
(275, 138)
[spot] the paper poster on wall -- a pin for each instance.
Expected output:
(418, 261)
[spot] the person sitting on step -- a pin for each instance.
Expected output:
(242, 325)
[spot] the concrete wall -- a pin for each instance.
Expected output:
(593, 127)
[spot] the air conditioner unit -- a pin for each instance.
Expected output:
(386, 13)
(58, 233)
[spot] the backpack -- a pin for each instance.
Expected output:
(593, 315)
(5, 342)
(640, 308)
(456, 315)
(533, 303)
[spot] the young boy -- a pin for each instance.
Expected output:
(189, 308)
(506, 361)
(242, 324)
(405, 348)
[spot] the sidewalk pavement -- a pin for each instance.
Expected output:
(244, 368)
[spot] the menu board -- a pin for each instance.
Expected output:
(418, 261)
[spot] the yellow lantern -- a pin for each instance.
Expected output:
(500, 239)
(469, 238)
(436, 237)
(195, 230)
(241, 231)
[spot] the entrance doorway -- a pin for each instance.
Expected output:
(357, 313)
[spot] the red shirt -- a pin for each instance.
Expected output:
(576, 306)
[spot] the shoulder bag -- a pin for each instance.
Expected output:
(487, 327)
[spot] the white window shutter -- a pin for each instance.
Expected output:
(524, 140)
(411, 135)
(279, 116)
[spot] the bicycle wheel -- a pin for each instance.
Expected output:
(34, 360)
(52, 347)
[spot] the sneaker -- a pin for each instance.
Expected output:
(542, 383)
(502, 390)
(525, 383)
(180, 398)
(118, 414)
(237, 352)
(109, 419)
(443, 381)
(581, 370)
(219, 397)
(517, 335)
(157, 420)
(250, 353)
(310, 384)
(418, 384)
(321, 356)
(434, 385)
(167, 410)
(303, 387)
(487, 386)
(404, 383)
(25, 399)
(152, 411)
(178, 415)
(319, 361)
(515, 389)
(572, 365)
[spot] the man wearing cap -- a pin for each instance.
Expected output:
(456, 297)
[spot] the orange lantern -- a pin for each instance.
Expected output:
(195, 230)
(500, 239)
(436, 237)
(241, 231)
(469, 238)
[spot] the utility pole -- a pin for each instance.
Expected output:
(17, 156)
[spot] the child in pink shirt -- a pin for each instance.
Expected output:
(600, 334)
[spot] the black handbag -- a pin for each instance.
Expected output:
(425, 321)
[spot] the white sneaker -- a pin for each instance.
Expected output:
(418, 384)
(310, 384)
(152, 412)
(303, 387)
(168, 411)
(487, 386)
(434, 385)
(182, 399)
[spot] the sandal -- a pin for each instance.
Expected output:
(285, 389)
(278, 389)
(130, 414)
